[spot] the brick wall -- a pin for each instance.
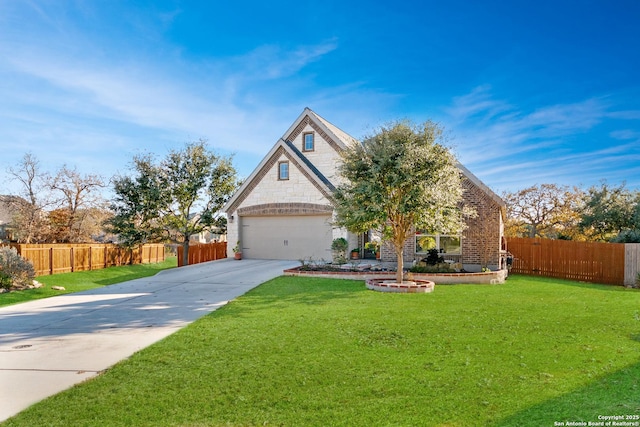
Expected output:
(481, 240)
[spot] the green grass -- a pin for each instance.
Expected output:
(84, 280)
(323, 352)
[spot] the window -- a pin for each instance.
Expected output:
(307, 142)
(445, 244)
(283, 170)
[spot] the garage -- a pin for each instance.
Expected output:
(286, 237)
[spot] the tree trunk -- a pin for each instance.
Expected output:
(400, 258)
(185, 252)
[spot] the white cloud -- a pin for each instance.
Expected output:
(99, 107)
(269, 62)
(510, 147)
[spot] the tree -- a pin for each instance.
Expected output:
(28, 220)
(137, 205)
(63, 207)
(610, 211)
(76, 194)
(545, 210)
(173, 199)
(400, 179)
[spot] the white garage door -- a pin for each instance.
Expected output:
(287, 237)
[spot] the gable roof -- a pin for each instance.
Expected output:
(341, 135)
(336, 138)
(475, 180)
(316, 173)
(296, 158)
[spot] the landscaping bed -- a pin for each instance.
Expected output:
(363, 273)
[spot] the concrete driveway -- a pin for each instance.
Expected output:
(48, 345)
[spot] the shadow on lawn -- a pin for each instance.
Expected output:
(574, 284)
(614, 394)
(292, 290)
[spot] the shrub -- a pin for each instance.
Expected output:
(339, 244)
(426, 268)
(339, 247)
(627, 236)
(5, 280)
(433, 257)
(15, 270)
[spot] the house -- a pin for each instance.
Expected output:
(9, 208)
(283, 209)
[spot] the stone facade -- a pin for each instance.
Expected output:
(312, 174)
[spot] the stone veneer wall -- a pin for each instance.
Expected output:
(266, 190)
(325, 157)
(269, 209)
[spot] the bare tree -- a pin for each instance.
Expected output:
(29, 207)
(76, 194)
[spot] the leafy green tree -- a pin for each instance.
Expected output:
(137, 205)
(174, 198)
(399, 179)
(627, 236)
(611, 211)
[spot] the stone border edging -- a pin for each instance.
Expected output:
(486, 278)
(413, 287)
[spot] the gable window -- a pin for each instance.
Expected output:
(444, 243)
(283, 170)
(308, 143)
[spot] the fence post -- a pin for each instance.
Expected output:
(631, 263)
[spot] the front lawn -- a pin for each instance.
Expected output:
(85, 280)
(322, 352)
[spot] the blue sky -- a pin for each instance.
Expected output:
(528, 92)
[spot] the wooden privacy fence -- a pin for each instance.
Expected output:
(203, 252)
(65, 258)
(583, 261)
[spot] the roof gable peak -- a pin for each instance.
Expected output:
(335, 137)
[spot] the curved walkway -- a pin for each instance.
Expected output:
(48, 345)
